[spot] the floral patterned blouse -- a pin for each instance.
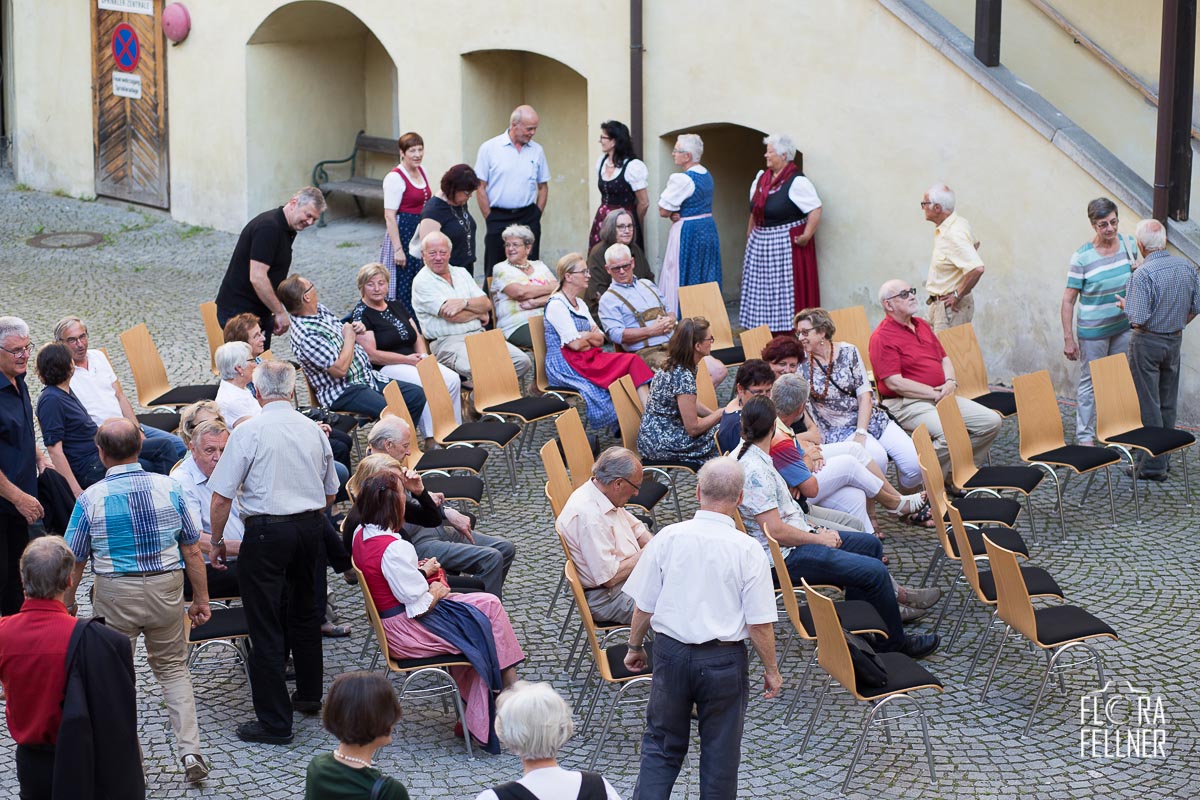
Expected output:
(833, 394)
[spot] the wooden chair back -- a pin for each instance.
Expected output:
(629, 410)
(938, 510)
(395, 405)
(212, 329)
(969, 567)
(832, 653)
(437, 397)
(706, 391)
(1012, 597)
(958, 440)
(575, 444)
(149, 374)
(312, 393)
(537, 334)
(786, 589)
(851, 326)
(585, 615)
(1117, 409)
(1039, 422)
(376, 622)
(754, 340)
(267, 355)
(737, 521)
(492, 371)
(935, 488)
(705, 300)
(558, 484)
(962, 348)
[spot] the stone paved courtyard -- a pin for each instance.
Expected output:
(1141, 578)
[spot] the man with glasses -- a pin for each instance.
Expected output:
(605, 540)
(633, 313)
(20, 460)
(955, 267)
(913, 372)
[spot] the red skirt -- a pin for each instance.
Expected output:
(602, 368)
(804, 272)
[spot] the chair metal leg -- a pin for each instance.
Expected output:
(566, 620)
(1033, 531)
(962, 615)
(800, 689)
(995, 661)
(869, 717)
(587, 723)
(935, 561)
(984, 636)
(574, 646)
(1058, 493)
(812, 722)
(1187, 484)
(948, 599)
(608, 719)
(375, 662)
(1112, 505)
(562, 581)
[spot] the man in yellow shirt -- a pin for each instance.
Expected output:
(955, 267)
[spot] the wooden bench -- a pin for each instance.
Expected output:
(357, 186)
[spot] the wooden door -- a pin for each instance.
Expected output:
(129, 101)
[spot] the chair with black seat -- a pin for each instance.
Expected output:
(498, 390)
(436, 466)
(856, 616)
(705, 300)
(629, 416)
(1055, 629)
(1119, 423)
(450, 434)
(970, 373)
(160, 418)
(608, 663)
(904, 677)
(579, 459)
(972, 479)
(435, 666)
(150, 376)
(212, 331)
(1043, 444)
(225, 629)
(537, 334)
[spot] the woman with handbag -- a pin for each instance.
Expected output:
(405, 192)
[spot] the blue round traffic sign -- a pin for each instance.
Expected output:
(126, 48)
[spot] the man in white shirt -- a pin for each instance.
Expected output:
(605, 540)
(514, 181)
(97, 387)
(207, 446)
(705, 587)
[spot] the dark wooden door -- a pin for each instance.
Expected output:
(129, 101)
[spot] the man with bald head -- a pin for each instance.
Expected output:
(514, 180)
(913, 372)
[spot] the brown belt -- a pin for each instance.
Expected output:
(933, 298)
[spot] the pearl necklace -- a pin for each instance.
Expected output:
(352, 759)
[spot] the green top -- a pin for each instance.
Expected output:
(330, 779)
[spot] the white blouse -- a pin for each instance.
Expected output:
(399, 567)
(558, 316)
(636, 173)
(395, 184)
(802, 193)
(679, 188)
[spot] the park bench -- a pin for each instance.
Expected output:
(357, 186)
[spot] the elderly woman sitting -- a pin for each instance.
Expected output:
(234, 398)
(618, 228)
(246, 328)
(533, 722)
(420, 615)
(520, 286)
(575, 354)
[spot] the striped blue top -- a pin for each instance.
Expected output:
(1100, 280)
(132, 521)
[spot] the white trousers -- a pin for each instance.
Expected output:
(844, 484)
(407, 373)
(897, 445)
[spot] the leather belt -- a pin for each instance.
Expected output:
(275, 519)
(1140, 329)
(933, 298)
(147, 574)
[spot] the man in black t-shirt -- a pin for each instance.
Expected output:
(261, 261)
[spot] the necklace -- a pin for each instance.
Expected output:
(463, 218)
(352, 759)
(825, 368)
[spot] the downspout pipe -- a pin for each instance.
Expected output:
(636, 89)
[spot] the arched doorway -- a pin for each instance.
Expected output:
(734, 155)
(494, 82)
(315, 76)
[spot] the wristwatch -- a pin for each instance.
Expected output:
(860, 432)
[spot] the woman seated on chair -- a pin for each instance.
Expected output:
(520, 287)
(246, 328)
(675, 425)
(393, 342)
(575, 354)
(421, 617)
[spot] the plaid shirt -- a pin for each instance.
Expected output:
(1163, 293)
(132, 521)
(317, 343)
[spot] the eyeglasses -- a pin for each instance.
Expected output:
(1104, 225)
(636, 486)
(604, 138)
(627, 227)
(621, 267)
(904, 295)
(926, 203)
(708, 339)
(804, 331)
(20, 352)
(308, 290)
(71, 341)
(576, 271)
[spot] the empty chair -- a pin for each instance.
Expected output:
(754, 340)
(226, 629)
(150, 376)
(962, 348)
(212, 330)
(497, 389)
(705, 300)
(852, 327)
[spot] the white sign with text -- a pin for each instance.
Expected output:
(128, 6)
(127, 85)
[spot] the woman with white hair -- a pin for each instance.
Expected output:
(781, 260)
(234, 398)
(534, 722)
(693, 252)
(520, 287)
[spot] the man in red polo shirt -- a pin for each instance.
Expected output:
(913, 373)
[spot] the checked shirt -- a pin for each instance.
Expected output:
(317, 343)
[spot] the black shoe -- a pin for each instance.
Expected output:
(256, 732)
(921, 645)
(306, 706)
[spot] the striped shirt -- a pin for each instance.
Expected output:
(1100, 280)
(132, 521)
(1163, 293)
(317, 343)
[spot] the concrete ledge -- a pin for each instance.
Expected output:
(1043, 116)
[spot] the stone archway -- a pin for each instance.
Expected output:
(315, 76)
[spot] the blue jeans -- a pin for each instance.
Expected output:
(855, 566)
(362, 399)
(160, 450)
(714, 678)
(488, 559)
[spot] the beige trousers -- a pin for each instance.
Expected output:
(982, 423)
(941, 317)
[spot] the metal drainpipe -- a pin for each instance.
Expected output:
(1166, 115)
(636, 93)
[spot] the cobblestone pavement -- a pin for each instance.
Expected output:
(1137, 577)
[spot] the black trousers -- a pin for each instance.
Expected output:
(276, 573)
(14, 535)
(499, 219)
(35, 771)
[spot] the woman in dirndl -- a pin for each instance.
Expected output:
(575, 354)
(781, 259)
(405, 191)
(693, 252)
(622, 178)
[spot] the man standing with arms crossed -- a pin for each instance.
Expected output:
(514, 180)
(282, 464)
(705, 587)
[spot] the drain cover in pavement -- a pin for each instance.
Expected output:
(67, 239)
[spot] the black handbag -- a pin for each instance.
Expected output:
(869, 670)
